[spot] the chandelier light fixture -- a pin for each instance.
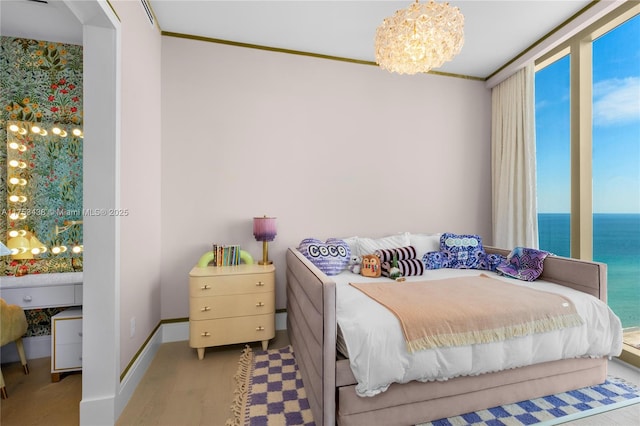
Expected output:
(419, 38)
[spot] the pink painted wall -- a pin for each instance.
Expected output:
(330, 148)
(140, 178)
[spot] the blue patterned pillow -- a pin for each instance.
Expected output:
(489, 262)
(463, 251)
(523, 263)
(331, 257)
(435, 260)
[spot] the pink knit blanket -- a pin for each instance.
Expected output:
(470, 310)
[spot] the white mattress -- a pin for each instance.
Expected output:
(375, 345)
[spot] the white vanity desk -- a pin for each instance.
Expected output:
(34, 291)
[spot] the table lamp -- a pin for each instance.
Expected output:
(264, 229)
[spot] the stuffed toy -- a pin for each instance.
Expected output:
(370, 266)
(354, 264)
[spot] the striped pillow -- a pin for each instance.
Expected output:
(403, 253)
(408, 267)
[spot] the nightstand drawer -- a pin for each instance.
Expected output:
(66, 357)
(67, 330)
(231, 284)
(232, 306)
(227, 331)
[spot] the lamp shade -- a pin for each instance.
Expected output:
(264, 228)
(19, 247)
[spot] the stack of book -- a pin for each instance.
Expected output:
(226, 255)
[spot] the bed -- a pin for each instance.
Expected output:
(331, 386)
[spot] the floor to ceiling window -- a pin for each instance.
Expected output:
(553, 143)
(588, 157)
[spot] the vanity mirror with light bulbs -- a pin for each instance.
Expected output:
(43, 215)
(44, 195)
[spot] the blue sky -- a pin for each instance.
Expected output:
(616, 126)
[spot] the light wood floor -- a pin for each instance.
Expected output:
(179, 390)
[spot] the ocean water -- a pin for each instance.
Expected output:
(616, 242)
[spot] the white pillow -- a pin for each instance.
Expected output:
(352, 242)
(370, 245)
(424, 243)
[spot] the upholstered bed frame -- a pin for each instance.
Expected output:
(330, 384)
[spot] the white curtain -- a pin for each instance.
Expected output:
(513, 161)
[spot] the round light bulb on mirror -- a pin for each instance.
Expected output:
(13, 233)
(77, 132)
(76, 249)
(35, 129)
(17, 216)
(17, 164)
(17, 181)
(14, 198)
(14, 128)
(56, 131)
(58, 249)
(14, 145)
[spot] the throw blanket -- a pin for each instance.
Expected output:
(469, 310)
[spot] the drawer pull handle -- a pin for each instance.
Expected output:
(205, 309)
(205, 334)
(205, 287)
(260, 328)
(260, 284)
(259, 304)
(26, 298)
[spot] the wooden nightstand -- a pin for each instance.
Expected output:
(231, 304)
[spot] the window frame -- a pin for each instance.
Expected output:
(579, 47)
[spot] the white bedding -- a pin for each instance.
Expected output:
(378, 355)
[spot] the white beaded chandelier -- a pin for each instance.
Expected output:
(419, 38)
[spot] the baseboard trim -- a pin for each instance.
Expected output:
(139, 367)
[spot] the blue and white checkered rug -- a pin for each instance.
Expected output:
(554, 409)
(270, 393)
(270, 390)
